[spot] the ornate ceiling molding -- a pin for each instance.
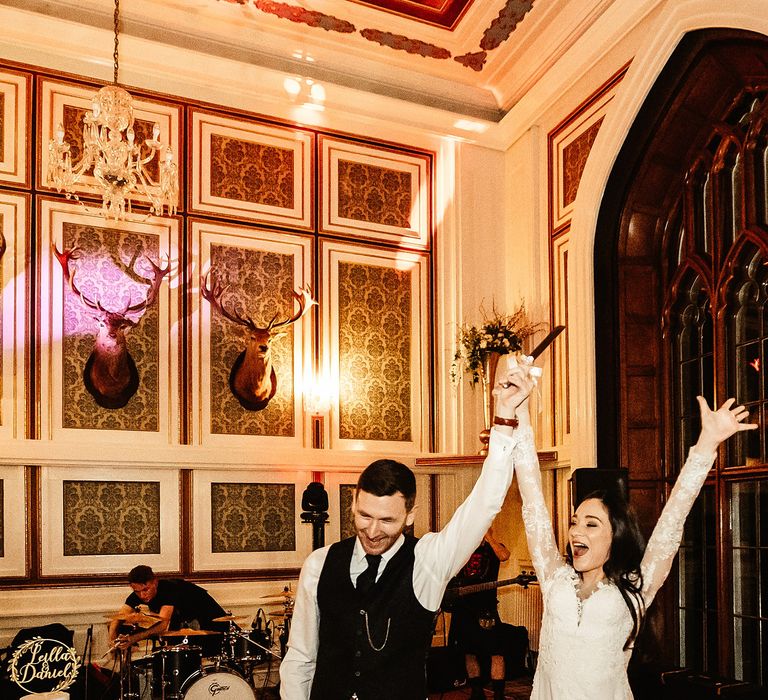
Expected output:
(495, 34)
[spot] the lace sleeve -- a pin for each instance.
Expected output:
(538, 522)
(666, 537)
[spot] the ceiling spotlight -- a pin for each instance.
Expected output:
(292, 86)
(305, 92)
(469, 125)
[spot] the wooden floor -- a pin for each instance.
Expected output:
(518, 689)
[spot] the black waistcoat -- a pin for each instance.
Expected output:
(374, 646)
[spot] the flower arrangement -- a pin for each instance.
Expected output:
(499, 333)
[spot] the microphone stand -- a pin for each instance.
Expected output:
(87, 651)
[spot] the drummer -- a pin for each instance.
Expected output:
(175, 603)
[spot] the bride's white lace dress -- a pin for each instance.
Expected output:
(581, 647)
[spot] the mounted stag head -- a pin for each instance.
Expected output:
(252, 378)
(110, 374)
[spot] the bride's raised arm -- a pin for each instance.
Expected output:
(716, 427)
(545, 555)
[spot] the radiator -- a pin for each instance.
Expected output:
(524, 608)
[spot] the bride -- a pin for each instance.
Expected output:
(596, 596)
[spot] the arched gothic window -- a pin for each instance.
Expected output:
(717, 316)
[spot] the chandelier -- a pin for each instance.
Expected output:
(110, 150)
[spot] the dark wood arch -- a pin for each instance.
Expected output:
(648, 211)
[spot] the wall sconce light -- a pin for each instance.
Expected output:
(317, 402)
(306, 93)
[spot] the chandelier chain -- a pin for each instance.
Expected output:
(116, 26)
(113, 159)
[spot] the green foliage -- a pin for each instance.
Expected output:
(501, 333)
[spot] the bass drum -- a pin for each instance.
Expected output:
(216, 681)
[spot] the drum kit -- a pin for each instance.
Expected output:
(177, 669)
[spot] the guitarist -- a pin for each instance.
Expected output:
(475, 623)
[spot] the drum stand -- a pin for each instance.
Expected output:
(126, 675)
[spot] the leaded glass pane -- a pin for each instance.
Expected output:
(726, 204)
(745, 600)
(746, 637)
(763, 204)
(737, 178)
(749, 590)
(702, 191)
(697, 585)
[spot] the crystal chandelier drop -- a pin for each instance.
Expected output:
(117, 161)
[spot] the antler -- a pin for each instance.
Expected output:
(304, 297)
(64, 258)
(157, 277)
(73, 253)
(213, 294)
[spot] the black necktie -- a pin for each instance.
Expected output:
(366, 580)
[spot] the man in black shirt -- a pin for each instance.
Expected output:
(176, 603)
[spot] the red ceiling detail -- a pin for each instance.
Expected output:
(303, 16)
(442, 13)
(403, 43)
(495, 34)
(475, 61)
(511, 14)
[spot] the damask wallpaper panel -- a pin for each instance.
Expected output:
(15, 115)
(346, 516)
(570, 143)
(340, 486)
(65, 104)
(111, 517)
(13, 525)
(258, 271)
(375, 193)
(14, 217)
(249, 519)
(112, 268)
(375, 345)
(247, 169)
(95, 520)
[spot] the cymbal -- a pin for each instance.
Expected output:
(135, 617)
(275, 600)
(277, 597)
(279, 613)
(187, 632)
(231, 618)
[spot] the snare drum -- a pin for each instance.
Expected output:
(172, 666)
(219, 682)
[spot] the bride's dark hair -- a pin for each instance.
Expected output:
(622, 567)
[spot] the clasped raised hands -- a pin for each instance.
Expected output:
(515, 379)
